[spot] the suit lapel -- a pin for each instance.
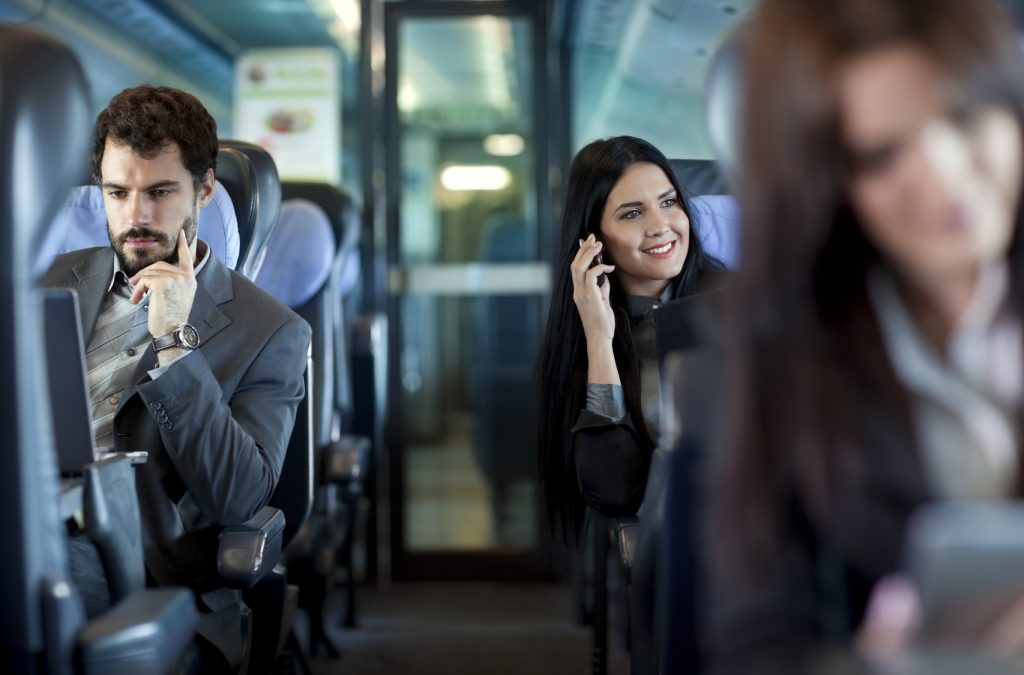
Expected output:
(93, 275)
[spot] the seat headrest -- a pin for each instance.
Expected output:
(250, 176)
(699, 176)
(345, 221)
(300, 253)
(717, 221)
(82, 223)
(44, 138)
(724, 100)
(340, 209)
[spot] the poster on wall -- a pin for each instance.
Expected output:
(288, 101)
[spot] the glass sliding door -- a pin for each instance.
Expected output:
(466, 284)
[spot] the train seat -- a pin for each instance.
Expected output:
(350, 426)
(44, 133)
(303, 268)
(250, 176)
(714, 209)
(718, 221)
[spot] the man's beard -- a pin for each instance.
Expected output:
(132, 264)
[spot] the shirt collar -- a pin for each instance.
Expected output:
(911, 354)
(202, 253)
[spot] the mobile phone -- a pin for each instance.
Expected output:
(967, 561)
(598, 260)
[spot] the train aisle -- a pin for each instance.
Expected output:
(465, 629)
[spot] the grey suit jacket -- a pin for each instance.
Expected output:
(216, 424)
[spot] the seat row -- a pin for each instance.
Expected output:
(305, 251)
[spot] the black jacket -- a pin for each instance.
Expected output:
(613, 459)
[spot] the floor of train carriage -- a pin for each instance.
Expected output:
(464, 629)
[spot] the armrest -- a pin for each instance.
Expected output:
(247, 552)
(145, 633)
(626, 532)
(346, 460)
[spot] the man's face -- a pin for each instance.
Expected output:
(148, 201)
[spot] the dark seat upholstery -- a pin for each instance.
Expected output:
(340, 455)
(250, 176)
(699, 177)
(44, 133)
(666, 571)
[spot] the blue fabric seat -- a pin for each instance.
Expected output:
(718, 222)
(346, 280)
(309, 256)
(81, 222)
(300, 252)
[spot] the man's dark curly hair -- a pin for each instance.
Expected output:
(147, 118)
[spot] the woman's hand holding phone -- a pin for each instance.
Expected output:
(891, 632)
(590, 295)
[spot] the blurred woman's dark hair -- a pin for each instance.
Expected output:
(802, 341)
(562, 370)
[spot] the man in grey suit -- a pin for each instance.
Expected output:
(187, 359)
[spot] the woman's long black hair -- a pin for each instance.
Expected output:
(562, 370)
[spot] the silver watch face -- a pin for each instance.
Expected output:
(189, 336)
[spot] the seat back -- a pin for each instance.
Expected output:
(298, 271)
(724, 100)
(718, 222)
(715, 212)
(81, 222)
(699, 177)
(344, 285)
(250, 176)
(44, 134)
(294, 492)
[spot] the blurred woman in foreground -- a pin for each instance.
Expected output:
(875, 355)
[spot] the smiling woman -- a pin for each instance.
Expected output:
(625, 219)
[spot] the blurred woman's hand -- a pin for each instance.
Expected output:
(891, 622)
(592, 299)
(891, 628)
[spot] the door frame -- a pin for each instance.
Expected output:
(529, 564)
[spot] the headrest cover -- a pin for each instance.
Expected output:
(82, 223)
(300, 252)
(724, 100)
(717, 220)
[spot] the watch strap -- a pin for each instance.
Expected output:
(174, 339)
(166, 341)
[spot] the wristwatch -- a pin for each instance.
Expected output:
(184, 336)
